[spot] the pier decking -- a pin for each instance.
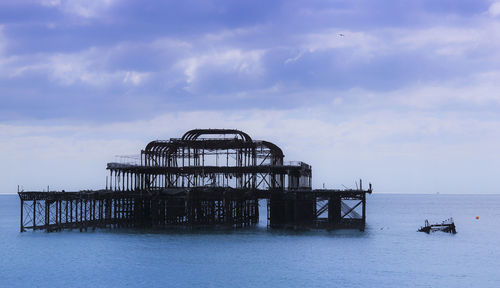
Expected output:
(207, 178)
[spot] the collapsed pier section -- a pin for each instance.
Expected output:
(208, 177)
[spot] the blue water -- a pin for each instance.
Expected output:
(390, 253)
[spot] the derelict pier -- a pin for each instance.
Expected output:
(209, 177)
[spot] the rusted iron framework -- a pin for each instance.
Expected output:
(208, 177)
(210, 158)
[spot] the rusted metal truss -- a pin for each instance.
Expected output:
(213, 158)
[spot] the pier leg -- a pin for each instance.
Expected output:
(81, 215)
(57, 216)
(34, 214)
(22, 207)
(363, 212)
(334, 211)
(66, 214)
(93, 215)
(71, 213)
(277, 210)
(256, 214)
(47, 215)
(85, 213)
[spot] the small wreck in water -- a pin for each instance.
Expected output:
(445, 226)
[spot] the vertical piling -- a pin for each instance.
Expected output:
(22, 214)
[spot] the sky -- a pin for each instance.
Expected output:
(403, 94)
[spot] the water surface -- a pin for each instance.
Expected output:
(390, 253)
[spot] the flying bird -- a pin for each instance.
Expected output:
(341, 35)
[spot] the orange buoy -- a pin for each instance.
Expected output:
(477, 217)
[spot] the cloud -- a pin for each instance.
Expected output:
(88, 67)
(229, 61)
(75, 68)
(494, 9)
(167, 44)
(3, 40)
(360, 43)
(134, 78)
(82, 8)
(3, 60)
(475, 91)
(225, 35)
(94, 66)
(318, 56)
(294, 59)
(454, 41)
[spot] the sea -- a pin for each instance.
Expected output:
(389, 253)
